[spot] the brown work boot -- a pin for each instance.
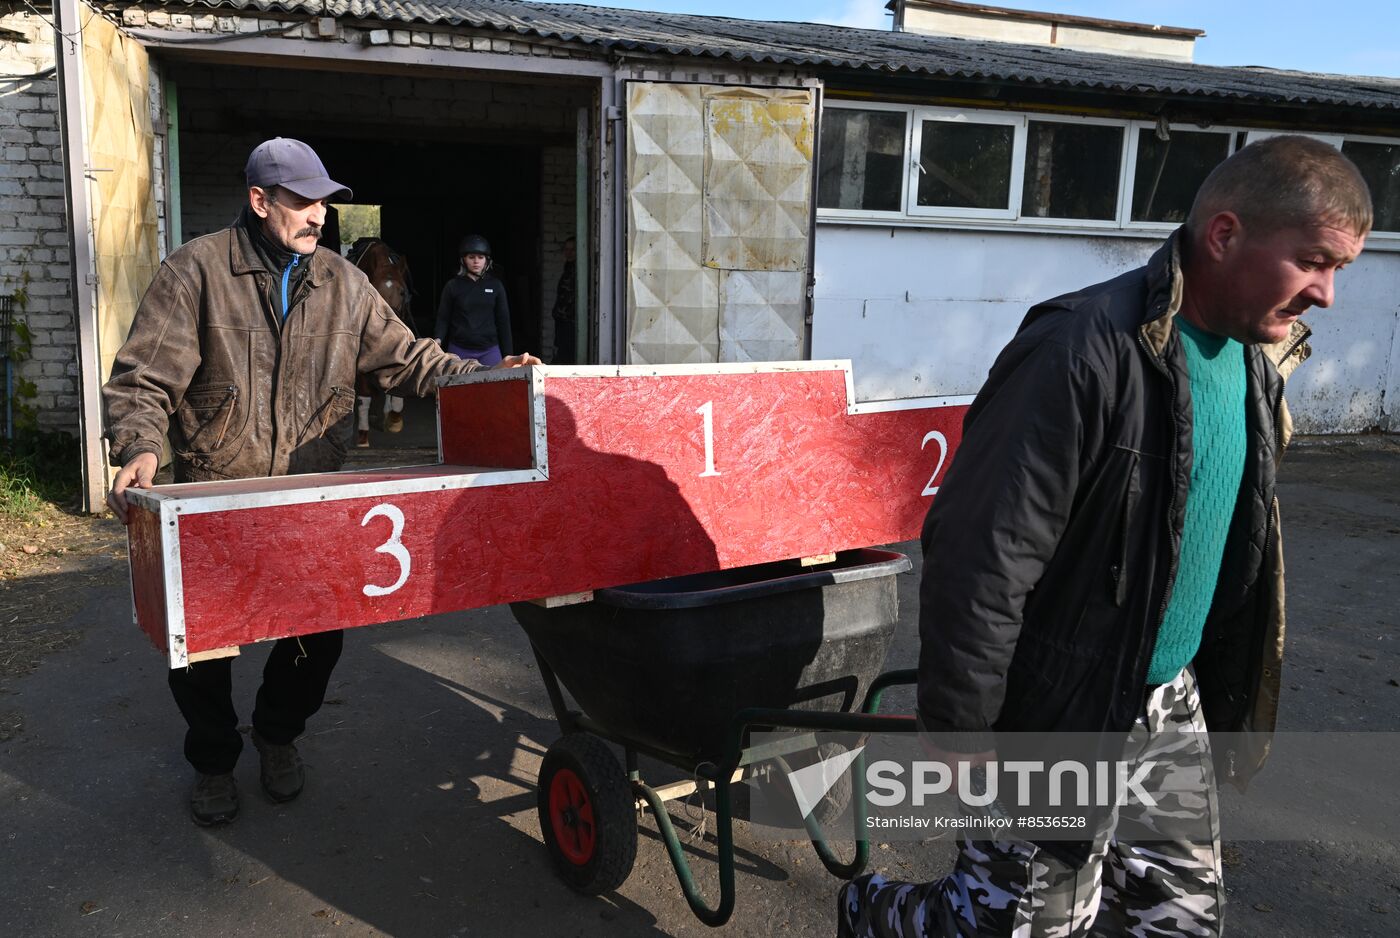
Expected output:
(362, 439)
(281, 771)
(214, 799)
(393, 422)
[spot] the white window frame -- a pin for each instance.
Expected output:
(1017, 122)
(1389, 238)
(1125, 205)
(866, 213)
(1011, 219)
(1056, 222)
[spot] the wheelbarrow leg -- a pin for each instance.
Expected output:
(815, 833)
(724, 832)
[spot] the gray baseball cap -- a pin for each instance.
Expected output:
(292, 165)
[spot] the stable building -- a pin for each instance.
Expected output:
(737, 190)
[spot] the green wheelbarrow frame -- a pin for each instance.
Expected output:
(737, 756)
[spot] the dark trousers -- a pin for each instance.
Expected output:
(293, 687)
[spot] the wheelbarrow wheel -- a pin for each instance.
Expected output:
(588, 814)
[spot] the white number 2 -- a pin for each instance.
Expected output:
(932, 489)
(707, 410)
(393, 547)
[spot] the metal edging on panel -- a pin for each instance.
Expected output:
(146, 498)
(485, 376)
(174, 585)
(442, 479)
(539, 439)
(910, 403)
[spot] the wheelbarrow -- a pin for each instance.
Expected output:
(681, 670)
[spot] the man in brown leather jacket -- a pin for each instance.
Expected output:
(244, 352)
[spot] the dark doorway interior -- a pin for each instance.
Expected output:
(432, 194)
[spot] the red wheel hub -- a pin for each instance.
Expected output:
(571, 815)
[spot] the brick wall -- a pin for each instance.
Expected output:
(557, 220)
(437, 37)
(33, 230)
(214, 146)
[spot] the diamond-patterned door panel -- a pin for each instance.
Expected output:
(718, 184)
(671, 307)
(758, 179)
(761, 315)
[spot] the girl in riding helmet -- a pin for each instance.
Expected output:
(473, 318)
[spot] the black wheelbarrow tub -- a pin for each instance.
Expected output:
(669, 663)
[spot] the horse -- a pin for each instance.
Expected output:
(387, 270)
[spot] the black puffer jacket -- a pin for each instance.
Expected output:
(1051, 547)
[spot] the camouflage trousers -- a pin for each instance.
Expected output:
(1152, 871)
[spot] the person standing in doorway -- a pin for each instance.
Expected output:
(473, 318)
(565, 311)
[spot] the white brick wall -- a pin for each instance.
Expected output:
(33, 229)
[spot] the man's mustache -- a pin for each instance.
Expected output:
(310, 231)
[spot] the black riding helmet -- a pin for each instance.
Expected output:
(473, 244)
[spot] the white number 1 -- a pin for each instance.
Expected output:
(393, 547)
(932, 489)
(707, 410)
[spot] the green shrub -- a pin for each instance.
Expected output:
(36, 467)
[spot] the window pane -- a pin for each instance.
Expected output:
(1380, 167)
(1169, 172)
(1071, 170)
(862, 160)
(965, 165)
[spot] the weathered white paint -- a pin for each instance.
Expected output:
(923, 312)
(1048, 30)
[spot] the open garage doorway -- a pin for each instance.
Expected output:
(432, 194)
(442, 156)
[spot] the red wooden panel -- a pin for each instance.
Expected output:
(649, 476)
(486, 424)
(147, 573)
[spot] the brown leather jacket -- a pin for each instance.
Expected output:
(241, 393)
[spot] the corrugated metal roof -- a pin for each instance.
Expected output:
(813, 45)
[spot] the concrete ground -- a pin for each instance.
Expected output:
(419, 815)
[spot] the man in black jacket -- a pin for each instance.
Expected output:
(1104, 556)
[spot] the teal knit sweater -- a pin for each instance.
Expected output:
(1216, 365)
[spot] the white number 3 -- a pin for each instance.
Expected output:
(393, 547)
(932, 489)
